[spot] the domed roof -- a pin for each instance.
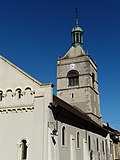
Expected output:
(76, 28)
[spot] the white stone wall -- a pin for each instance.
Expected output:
(29, 123)
(24, 118)
(70, 151)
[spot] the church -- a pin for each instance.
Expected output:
(37, 125)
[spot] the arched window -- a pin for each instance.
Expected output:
(63, 135)
(89, 143)
(78, 140)
(24, 150)
(73, 78)
(28, 96)
(9, 97)
(19, 93)
(72, 95)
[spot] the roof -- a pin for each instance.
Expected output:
(74, 52)
(71, 115)
(114, 134)
(77, 29)
(112, 130)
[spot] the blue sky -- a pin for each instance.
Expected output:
(33, 33)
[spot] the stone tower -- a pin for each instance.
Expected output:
(77, 81)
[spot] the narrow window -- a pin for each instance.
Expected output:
(93, 79)
(78, 140)
(94, 145)
(72, 95)
(24, 150)
(81, 38)
(103, 149)
(77, 37)
(89, 143)
(73, 38)
(63, 135)
(111, 147)
(19, 94)
(73, 78)
(1, 95)
(97, 145)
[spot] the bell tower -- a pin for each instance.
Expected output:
(77, 79)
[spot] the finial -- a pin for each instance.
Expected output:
(76, 11)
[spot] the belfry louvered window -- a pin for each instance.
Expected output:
(73, 78)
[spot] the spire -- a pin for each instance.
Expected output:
(76, 17)
(77, 33)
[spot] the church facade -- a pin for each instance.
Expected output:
(35, 124)
(23, 114)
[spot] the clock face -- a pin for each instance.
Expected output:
(72, 66)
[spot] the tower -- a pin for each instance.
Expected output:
(77, 80)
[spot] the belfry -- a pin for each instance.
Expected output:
(77, 34)
(77, 79)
